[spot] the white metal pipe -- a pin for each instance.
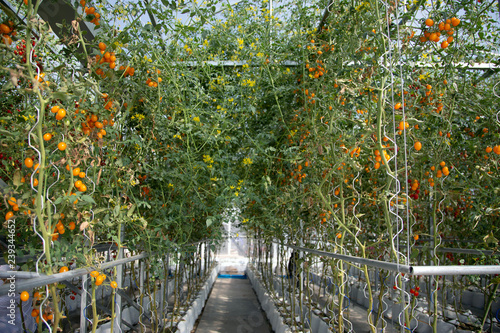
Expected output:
(414, 270)
(48, 279)
(83, 304)
(362, 261)
(19, 275)
(455, 270)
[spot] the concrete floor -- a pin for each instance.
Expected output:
(233, 307)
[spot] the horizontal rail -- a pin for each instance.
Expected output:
(43, 280)
(32, 280)
(455, 270)
(231, 63)
(20, 275)
(363, 261)
(289, 63)
(461, 65)
(413, 270)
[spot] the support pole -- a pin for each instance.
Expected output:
(163, 297)
(119, 282)
(141, 283)
(83, 304)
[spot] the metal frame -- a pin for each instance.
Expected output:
(34, 280)
(43, 280)
(407, 269)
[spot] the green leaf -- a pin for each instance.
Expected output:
(116, 210)
(131, 211)
(209, 222)
(143, 203)
(88, 199)
(99, 210)
(8, 85)
(490, 238)
(17, 178)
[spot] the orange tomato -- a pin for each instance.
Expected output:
(25, 296)
(100, 279)
(9, 215)
(62, 146)
(28, 162)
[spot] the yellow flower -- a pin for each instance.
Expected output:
(236, 193)
(207, 159)
(196, 119)
(247, 161)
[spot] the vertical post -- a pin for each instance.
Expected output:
(209, 255)
(166, 280)
(83, 304)
(202, 259)
(376, 287)
(431, 261)
(119, 281)
(250, 248)
(229, 238)
(141, 283)
(206, 256)
(275, 255)
(301, 256)
(199, 260)
(161, 315)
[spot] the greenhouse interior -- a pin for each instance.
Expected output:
(250, 166)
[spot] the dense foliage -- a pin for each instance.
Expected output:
(355, 125)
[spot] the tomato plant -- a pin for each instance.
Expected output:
(357, 131)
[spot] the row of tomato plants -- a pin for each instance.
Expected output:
(329, 131)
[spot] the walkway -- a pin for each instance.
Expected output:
(233, 307)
